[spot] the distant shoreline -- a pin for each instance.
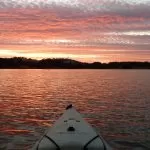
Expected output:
(63, 63)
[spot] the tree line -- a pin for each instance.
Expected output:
(64, 63)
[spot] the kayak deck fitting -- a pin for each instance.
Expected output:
(71, 132)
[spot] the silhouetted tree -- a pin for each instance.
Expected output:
(21, 62)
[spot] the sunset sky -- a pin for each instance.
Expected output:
(85, 30)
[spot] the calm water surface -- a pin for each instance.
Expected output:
(115, 102)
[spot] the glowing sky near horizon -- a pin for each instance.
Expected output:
(86, 30)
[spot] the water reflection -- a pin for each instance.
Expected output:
(115, 102)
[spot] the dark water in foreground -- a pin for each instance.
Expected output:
(115, 102)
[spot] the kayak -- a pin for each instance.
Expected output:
(71, 132)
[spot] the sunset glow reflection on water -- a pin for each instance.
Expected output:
(115, 102)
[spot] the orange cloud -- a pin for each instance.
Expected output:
(74, 33)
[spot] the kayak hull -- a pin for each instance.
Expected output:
(71, 132)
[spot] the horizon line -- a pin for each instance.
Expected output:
(75, 60)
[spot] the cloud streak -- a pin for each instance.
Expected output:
(78, 24)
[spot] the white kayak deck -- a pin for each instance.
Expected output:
(71, 132)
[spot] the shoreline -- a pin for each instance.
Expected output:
(62, 63)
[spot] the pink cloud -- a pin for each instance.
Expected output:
(83, 28)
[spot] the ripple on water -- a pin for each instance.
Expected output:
(115, 102)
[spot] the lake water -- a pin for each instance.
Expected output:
(115, 102)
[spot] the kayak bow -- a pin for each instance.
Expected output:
(71, 132)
